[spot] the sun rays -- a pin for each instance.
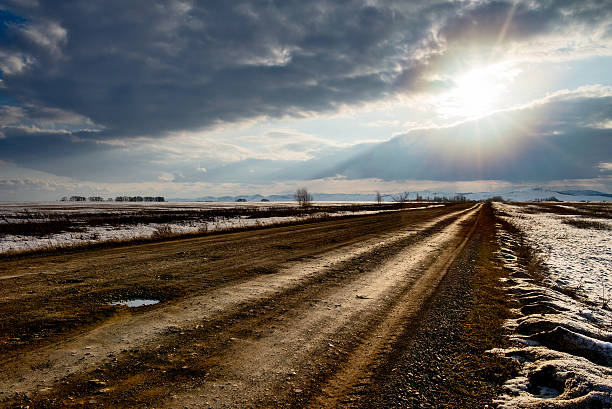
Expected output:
(476, 92)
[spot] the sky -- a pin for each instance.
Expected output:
(188, 99)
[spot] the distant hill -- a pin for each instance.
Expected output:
(528, 194)
(525, 194)
(585, 193)
(321, 197)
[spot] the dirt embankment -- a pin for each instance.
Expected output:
(303, 316)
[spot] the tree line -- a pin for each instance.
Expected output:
(304, 198)
(115, 199)
(404, 197)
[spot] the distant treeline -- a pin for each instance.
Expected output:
(405, 197)
(116, 199)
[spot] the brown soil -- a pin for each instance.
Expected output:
(307, 315)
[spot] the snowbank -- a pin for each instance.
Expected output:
(565, 321)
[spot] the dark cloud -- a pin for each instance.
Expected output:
(490, 22)
(147, 67)
(57, 153)
(142, 68)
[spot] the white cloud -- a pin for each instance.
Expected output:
(14, 62)
(35, 119)
(605, 166)
(383, 123)
(166, 177)
(19, 184)
(48, 34)
(232, 145)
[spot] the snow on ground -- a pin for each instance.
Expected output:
(91, 234)
(533, 193)
(576, 257)
(565, 322)
(73, 207)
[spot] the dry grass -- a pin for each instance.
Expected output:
(163, 234)
(587, 224)
(29, 223)
(595, 210)
(532, 260)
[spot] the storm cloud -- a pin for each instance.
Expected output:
(144, 68)
(148, 67)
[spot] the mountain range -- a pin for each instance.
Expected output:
(525, 194)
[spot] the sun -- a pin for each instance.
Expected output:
(476, 92)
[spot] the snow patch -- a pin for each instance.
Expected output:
(97, 234)
(564, 323)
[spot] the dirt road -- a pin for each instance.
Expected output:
(291, 316)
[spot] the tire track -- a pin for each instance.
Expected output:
(381, 338)
(280, 366)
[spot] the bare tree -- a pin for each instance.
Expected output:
(401, 197)
(302, 196)
(378, 198)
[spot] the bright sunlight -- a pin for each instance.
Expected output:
(477, 92)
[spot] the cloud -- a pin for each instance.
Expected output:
(166, 177)
(155, 91)
(556, 137)
(14, 62)
(48, 35)
(45, 188)
(153, 68)
(548, 139)
(572, 24)
(37, 120)
(148, 68)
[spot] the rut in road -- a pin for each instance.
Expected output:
(87, 351)
(338, 333)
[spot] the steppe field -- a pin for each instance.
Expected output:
(350, 305)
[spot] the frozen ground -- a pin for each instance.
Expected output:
(577, 258)
(15, 213)
(565, 320)
(11, 207)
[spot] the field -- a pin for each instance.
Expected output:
(42, 227)
(405, 305)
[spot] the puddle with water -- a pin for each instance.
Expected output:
(138, 302)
